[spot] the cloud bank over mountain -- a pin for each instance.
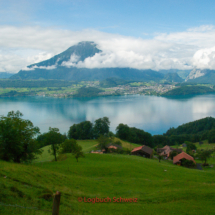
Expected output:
(194, 48)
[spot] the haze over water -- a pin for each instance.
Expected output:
(150, 113)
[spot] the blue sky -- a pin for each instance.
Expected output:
(31, 31)
(130, 18)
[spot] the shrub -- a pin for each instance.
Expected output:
(68, 146)
(187, 163)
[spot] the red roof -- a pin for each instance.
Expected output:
(137, 149)
(182, 155)
(112, 147)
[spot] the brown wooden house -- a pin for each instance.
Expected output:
(144, 151)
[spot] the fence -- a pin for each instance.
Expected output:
(55, 207)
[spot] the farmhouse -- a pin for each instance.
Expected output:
(144, 151)
(177, 158)
(111, 147)
(166, 150)
(114, 146)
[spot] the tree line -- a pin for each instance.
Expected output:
(21, 141)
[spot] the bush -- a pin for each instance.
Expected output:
(173, 154)
(187, 163)
(68, 146)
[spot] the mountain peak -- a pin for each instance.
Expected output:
(82, 51)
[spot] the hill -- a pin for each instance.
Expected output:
(112, 82)
(189, 90)
(63, 67)
(194, 127)
(176, 190)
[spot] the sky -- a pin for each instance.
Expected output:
(142, 34)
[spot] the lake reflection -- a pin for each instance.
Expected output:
(150, 113)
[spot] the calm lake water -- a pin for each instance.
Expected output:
(150, 113)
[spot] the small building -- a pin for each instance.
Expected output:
(113, 146)
(177, 158)
(200, 143)
(97, 152)
(144, 151)
(184, 145)
(166, 150)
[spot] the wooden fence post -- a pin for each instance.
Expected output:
(56, 203)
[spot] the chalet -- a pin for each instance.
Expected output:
(166, 150)
(177, 158)
(184, 145)
(144, 151)
(113, 146)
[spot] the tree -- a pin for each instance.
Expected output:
(68, 146)
(78, 153)
(101, 127)
(187, 163)
(81, 131)
(211, 136)
(54, 138)
(160, 157)
(204, 155)
(103, 142)
(122, 131)
(173, 154)
(190, 146)
(160, 140)
(17, 141)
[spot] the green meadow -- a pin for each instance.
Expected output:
(160, 188)
(87, 146)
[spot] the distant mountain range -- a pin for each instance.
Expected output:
(63, 67)
(4, 75)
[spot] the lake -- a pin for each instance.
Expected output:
(150, 113)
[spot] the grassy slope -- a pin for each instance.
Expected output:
(87, 146)
(175, 191)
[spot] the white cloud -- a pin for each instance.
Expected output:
(39, 67)
(204, 58)
(72, 61)
(22, 46)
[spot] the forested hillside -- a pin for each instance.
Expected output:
(188, 90)
(194, 127)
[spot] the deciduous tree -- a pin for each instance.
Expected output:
(54, 138)
(17, 141)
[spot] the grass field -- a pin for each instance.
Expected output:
(161, 188)
(87, 146)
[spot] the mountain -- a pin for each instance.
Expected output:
(205, 76)
(62, 67)
(173, 77)
(82, 50)
(4, 75)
